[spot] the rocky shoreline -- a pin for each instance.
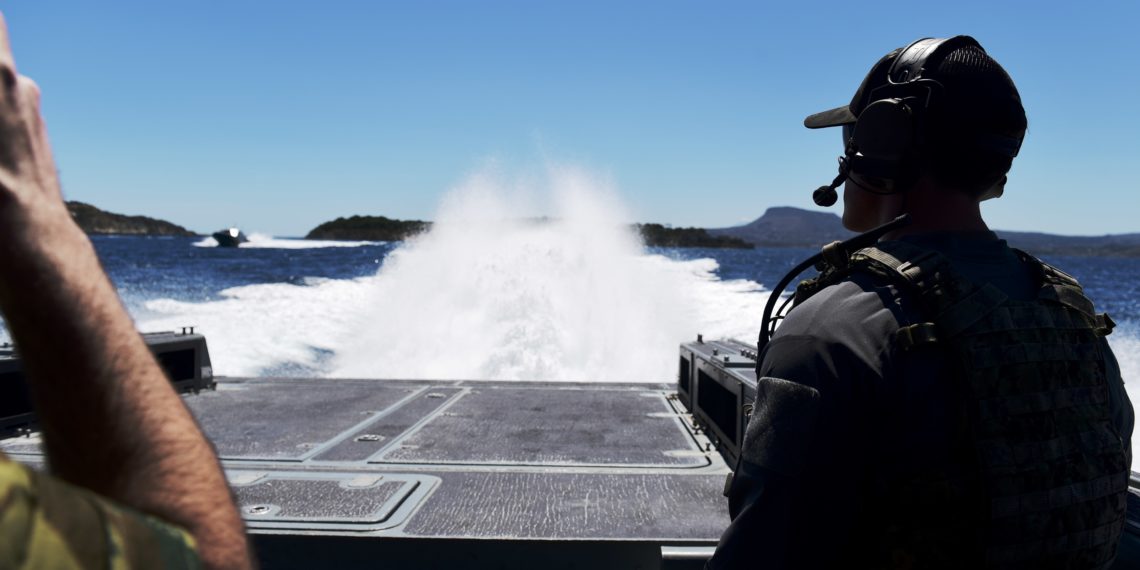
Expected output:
(99, 222)
(380, 228)
(778, 227)
(657, 235)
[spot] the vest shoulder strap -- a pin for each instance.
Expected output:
(949, 302)
(1060, 288)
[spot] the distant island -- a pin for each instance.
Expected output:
(95, 221)
(793, 227)
(657, 235)
(380, 228)
(1118, 245)
(782, 226)
(789, 227)
(368, 228)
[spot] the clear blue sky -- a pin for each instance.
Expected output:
(280, 115)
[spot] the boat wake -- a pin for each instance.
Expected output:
(264, 241)
(1125, 342)
(493, 291)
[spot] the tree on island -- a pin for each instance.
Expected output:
(368, 228)
(657, 235)
(92, 220)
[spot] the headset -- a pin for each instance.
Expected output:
(883, 146)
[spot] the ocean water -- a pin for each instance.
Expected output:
(488, 294)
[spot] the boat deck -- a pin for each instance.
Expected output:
(462, 474)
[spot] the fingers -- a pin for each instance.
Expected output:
(27, 170)
(24, 148)
(9, 99)
(22, 94)
(6, 59)
(29, 101)
(18, 125)
(29, 104)
(43, 162)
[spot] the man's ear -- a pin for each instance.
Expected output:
(994, 191)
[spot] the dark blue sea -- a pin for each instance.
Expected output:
(552, 301)
(164, 278)
(543, 304)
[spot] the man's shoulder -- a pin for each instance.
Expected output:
(47, 522)
(850, 303)
(847, 326)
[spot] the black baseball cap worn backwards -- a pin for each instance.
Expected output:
(972, 89)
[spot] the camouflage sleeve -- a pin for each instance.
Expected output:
(47, 523)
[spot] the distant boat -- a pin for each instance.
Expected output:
(231, 237)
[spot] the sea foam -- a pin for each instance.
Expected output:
(493, 291)
(1125, 342)
(265, 241)
(489, 294)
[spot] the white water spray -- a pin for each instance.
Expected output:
(492, 292)
(488, 294)
(265, 241)
(1125, 342)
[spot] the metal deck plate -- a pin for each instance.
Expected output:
(346, 501)
(390, 425)
(498, 464)
(545, 426)
(537, 505)
(286, 419)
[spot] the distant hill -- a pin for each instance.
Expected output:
(657, 235)
(368, 228)
(793, 227)
(789, 227)
(783, 226)
(1119, 245)
(95, 221)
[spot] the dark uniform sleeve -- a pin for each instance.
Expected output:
(799, 495)
(47, 523)
(785, 494)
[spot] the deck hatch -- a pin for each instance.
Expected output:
(369, 501)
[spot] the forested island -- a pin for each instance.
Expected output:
(95, 221)
(381, 228)
(778, 227)
(657, 235)
(368, 228)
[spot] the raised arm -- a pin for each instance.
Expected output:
(111, 421)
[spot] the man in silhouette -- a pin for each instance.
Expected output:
(938, 400)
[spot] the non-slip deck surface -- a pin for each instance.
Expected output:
(461, 460)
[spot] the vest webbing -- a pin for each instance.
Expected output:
(1046, 485)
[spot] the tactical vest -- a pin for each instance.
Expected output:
(1044, 476)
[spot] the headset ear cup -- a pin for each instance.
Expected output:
(884, 141)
